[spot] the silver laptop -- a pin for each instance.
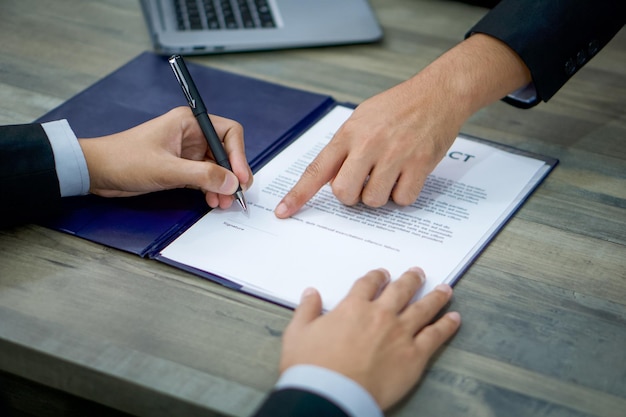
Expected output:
(216, 26)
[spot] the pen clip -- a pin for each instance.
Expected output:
(182, 80)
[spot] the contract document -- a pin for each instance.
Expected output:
(327, 245)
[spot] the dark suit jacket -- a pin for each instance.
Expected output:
(293, 402)
(555, 38)
(29, 187)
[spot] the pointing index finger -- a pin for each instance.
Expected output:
(321, 170)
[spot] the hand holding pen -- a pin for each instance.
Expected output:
(200, 112)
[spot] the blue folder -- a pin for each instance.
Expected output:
(272, 116)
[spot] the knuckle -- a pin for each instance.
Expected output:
(237, 127)
(313, 170)
(405, 198)
(384, 317)
(346, 194)
(181, 111)
(375, 196)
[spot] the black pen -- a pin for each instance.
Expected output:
(200, 112)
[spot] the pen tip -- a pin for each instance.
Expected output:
(242, 201)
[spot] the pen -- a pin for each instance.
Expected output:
(200, 112)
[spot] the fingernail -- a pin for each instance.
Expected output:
(445, 288)
(420, 272)
(455, 316)
(281, 210)
(308, 292)
(386, 274)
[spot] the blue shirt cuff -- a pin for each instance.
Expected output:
(335, 387)
(69, 161)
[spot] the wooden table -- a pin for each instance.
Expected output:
(544, 307)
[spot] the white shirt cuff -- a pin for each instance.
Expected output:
(69, 161)
(337, 388)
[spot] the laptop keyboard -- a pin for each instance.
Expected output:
(223, 14)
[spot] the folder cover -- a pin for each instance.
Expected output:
(272, 115)
(160, 225)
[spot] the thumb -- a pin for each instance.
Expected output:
(229, 184)
(309, 309)
(207, 176)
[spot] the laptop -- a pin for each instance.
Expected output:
(189, 27)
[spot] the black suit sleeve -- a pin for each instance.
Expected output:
(297, 403)
(555, 38)
(29, 187)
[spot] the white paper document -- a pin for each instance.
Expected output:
(328, 246)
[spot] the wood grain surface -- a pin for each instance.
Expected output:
(544, 307)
